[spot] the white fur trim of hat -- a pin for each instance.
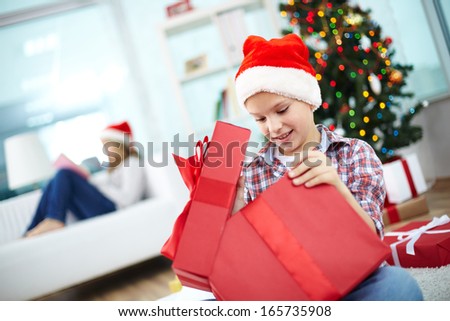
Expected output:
(288, 82)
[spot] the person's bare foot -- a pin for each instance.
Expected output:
(45, 226)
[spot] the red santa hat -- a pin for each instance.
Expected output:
(117, 132)
(278, 66)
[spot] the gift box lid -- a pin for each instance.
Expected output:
(211, 204)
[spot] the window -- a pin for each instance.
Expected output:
(443, 12)
(52, 87)
(405, 21)
(8, 6)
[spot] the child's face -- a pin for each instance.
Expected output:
(289, 123)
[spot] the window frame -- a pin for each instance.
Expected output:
(441, 38)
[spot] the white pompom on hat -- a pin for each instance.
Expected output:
(278, 66)
(120, 132)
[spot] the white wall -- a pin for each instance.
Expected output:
(433, 150)
(437, 131)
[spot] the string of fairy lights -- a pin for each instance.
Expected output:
(335, 27)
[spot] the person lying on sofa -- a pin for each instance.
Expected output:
(123, 185)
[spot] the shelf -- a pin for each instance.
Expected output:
(203, 73)
(206, 72)
(197, 93)
(199, 17)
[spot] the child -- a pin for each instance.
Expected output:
(123, 184)
(277, 86)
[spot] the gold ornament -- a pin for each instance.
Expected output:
(395, 76)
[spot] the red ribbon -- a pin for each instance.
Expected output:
(409, 177)
(190, 169)
(392, 212)
(290, 253)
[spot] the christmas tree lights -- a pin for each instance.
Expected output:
(361, 85)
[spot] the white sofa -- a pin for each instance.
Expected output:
(84, 250)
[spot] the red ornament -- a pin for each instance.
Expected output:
(344, 109)
(388, 40)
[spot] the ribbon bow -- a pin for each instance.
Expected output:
(413, 235)
(190, 169)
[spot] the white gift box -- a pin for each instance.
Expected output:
(398, 186)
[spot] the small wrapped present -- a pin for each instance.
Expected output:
(394, 213)
(421, 244)
(211, 177)
(404, 179)
(295, 243)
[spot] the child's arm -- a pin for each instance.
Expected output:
(315, 168)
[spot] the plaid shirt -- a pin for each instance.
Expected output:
(356, 162)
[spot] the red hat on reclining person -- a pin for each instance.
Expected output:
(117, 132)
(278, 66)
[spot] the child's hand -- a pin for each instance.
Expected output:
(239, 201)
(314, 168)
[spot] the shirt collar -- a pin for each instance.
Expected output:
(328, 139)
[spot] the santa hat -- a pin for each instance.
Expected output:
(117, 132)
(278, 66)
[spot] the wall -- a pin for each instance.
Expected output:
(143, 18)
(437, 131)
(433, 150)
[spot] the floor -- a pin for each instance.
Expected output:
(147, 281)
(150, 280)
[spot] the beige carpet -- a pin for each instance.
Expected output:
(434, 282)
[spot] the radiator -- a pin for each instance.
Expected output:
(15, 215)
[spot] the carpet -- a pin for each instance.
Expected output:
(434, 282)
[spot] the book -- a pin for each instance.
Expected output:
(63, 162)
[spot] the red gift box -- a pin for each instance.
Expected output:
(421, 244)
(197, 231)
(295, 243)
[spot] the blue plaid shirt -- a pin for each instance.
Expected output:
(355, 161)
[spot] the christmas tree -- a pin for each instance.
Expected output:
(362, 88)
